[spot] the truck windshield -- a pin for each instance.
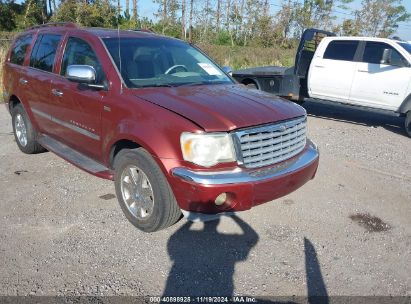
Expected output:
(157, 62)
(406, 46)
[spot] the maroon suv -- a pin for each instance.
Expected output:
(156, 115)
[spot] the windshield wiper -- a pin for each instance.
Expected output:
(156, 85)
(189, 84)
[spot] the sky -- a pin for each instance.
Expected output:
(147, 9)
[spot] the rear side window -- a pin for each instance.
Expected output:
(341, 50)
(44, 52)
(374, 51)
(18, 52)
(80, 52)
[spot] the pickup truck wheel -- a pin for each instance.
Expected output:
(24, 132)
(408, 124)
(143, 191)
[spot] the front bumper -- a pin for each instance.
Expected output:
(196, 191)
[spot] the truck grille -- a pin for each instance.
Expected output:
(270, 144)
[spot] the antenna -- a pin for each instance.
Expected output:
(119, 52)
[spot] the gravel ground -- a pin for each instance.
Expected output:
(347, 232)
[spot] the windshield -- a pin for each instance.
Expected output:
(151, 62)
(406, 46)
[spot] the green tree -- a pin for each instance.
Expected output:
(380, 17)
(285, 20)
(9, 11)
(317, 13)
(350, 28)
(33, 14)
(99, 13)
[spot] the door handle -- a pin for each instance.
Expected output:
(57, 93)
(319, 66)
(363, 71)
(23, 81)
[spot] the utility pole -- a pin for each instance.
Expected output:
(127, 13)
(190, 35)
(135, 11)
(218, 14)
(183, 19)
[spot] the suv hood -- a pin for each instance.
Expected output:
(222, 107)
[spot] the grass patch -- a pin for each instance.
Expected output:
(240, 57)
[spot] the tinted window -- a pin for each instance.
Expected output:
(44, 52)
(341, 50)
(374, 51)
(406, 46)
(80, 52)
(19, 49)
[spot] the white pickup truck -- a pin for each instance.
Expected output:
(368, 72)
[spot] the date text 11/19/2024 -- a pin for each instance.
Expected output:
(208, 299)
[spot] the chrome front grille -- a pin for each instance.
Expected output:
(270, 144)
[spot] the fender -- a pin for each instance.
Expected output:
(161, 141)
(405, 106)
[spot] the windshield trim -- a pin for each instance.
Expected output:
(124, 85)
(122, 82)
(406, 46)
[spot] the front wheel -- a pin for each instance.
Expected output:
(143, 191)
(408, 124)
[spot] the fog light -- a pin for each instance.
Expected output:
(221, 199)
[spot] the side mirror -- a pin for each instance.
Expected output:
(81, 73)
(228, 70)
(386, 56)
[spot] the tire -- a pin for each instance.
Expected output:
(24, 133)
(408, 124)
(138, 175)
(251, 85)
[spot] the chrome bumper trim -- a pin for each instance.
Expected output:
(203, 217)
(246, 176)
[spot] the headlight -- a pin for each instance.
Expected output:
(207, 149)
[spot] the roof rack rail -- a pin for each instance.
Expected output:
(65, 24)
(145, 30)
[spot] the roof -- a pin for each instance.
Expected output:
(113, 33)
(99, 32)
(361, 38)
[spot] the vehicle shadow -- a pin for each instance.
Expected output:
(204, 261)
(350, 114)
(316, 288)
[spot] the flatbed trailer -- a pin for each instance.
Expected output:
(287, 82)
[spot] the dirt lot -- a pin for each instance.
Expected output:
(347, 232)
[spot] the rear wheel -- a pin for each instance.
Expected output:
(408, 124)
(24, 133)
(250, 84)
(143, 191)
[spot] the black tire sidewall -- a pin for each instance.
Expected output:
(159, 184)
(31, 133)
(408, 123)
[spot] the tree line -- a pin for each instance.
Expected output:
(227, 22)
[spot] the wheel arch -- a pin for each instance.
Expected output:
(13, 101)
(248, 80)
(119, 145)
(405, 106)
